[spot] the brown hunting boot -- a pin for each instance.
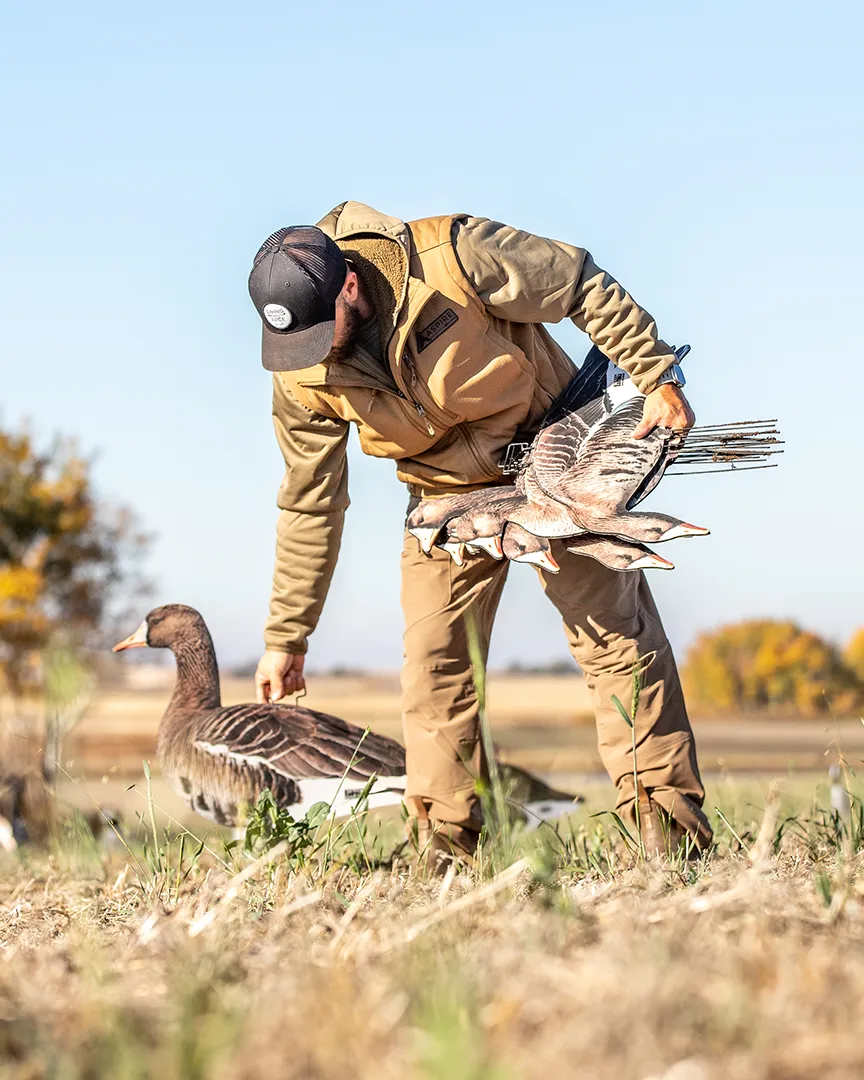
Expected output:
(664, 836)
(440, 844)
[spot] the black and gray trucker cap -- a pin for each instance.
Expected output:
(296, 277)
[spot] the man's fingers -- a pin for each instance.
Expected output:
(643, 430)
(278, 676)
(297, 682)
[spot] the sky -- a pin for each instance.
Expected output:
(709, 156)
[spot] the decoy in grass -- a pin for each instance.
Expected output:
(220, 758)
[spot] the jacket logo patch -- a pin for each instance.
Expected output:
(439, 325)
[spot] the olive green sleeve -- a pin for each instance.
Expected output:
(312, 501)
(525, 278)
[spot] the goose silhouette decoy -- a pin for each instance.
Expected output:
(541, 514)
(617, 554)
(481, 526)
(220, 758)
(590, 463)
(520, 546)
(429, 517)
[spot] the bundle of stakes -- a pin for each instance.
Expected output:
(736, 447)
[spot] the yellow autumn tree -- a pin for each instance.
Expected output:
(854, 653)
(64, 559)
(63, 555)
(770, 665)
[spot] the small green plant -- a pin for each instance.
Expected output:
(67, 687)
(168, 859)
(269, 824)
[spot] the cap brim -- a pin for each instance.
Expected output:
(300, 349)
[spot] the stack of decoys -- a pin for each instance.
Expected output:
(220, 758)
(581, 478)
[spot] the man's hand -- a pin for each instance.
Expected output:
(279, 674)
(665, 407)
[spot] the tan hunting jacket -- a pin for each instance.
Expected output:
(464, 363)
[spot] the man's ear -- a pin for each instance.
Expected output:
(351, 288)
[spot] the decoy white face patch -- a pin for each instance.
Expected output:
(278, 316)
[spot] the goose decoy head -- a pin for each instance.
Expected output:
(481, 529)
(163, 628)
(426, 521)
(521, 546)
(429, 517)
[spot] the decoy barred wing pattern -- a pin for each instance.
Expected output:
(609, 465)
(297, 743)
(558, 446)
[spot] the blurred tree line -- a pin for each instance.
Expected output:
(67, 562)
(774, 666)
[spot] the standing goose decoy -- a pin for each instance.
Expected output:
(220, 758)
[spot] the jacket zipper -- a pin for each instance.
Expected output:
(421, 412)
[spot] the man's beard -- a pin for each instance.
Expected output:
(343, 347)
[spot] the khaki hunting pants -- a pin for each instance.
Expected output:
(611, 622)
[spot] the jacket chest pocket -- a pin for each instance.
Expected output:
(422, 397)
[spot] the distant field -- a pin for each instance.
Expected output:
(541, 722)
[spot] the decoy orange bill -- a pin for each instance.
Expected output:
(138, 640)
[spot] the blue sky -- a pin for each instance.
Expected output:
(709, 156)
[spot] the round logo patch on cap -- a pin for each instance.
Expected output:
(278, 316)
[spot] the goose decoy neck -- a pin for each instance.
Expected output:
(197, 673)
(182, 630)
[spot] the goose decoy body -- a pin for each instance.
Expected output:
(481, 526)
(590, 463)
(542, 514)
(220, 758)
(522, 546)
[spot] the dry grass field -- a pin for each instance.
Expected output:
(559, 958)
(563, 954)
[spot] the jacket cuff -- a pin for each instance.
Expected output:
(646, 381)
(275, 642)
